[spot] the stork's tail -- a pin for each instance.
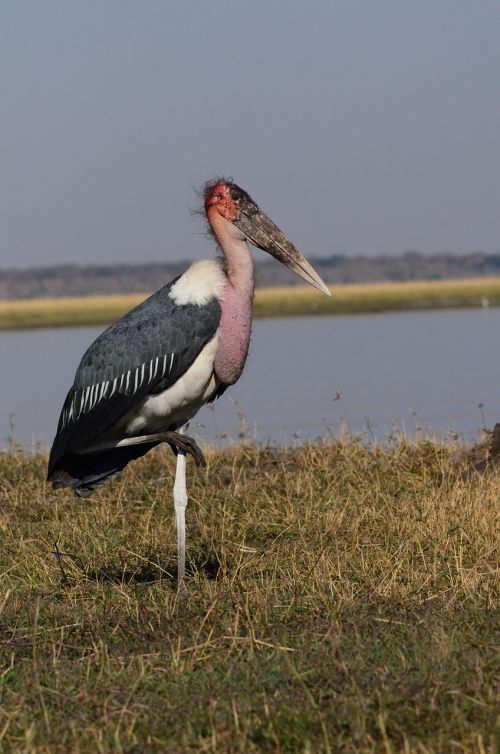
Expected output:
(85, 473)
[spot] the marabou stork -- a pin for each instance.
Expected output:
(145, 377)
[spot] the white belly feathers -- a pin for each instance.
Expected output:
(178, 403)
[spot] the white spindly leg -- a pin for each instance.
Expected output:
(180, 502)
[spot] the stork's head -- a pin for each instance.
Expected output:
(238, 208)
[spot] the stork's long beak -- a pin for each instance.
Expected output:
(263, 233)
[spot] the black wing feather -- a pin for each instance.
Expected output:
(154, 344)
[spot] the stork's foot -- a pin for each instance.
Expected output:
(177, 442)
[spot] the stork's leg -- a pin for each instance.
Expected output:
(180, 502)
(176, 440)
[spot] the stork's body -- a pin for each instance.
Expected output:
(151, 372)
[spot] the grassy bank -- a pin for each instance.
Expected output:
(342, 599)
(269, 302)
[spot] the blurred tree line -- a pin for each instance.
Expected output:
(75, 280)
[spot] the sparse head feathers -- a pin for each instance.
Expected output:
(219, 185)
(201, 283)
(226, 196)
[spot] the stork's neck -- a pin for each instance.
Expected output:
(235, 249)
(240, 268)
(237, 300)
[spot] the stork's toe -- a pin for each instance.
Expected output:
(177, 442)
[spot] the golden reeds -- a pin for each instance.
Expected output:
(269, 302)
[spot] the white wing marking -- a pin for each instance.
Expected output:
(93, 394)
(114, 386)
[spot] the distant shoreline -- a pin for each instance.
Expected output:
(269, 302)
(64, 280)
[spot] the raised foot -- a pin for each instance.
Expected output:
(178, 441)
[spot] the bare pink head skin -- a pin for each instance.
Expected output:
(219, 197)
(234, 219)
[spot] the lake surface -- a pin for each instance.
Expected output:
(305, 377)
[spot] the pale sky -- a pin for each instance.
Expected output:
(360, 127)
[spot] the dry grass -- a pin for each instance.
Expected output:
(269, 302)
(378, 297)
(59, 312)
(342, 599)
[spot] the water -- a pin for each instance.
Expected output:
(305, 377)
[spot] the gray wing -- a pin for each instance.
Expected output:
(144, 352)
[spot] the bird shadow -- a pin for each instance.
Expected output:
(151, 569)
